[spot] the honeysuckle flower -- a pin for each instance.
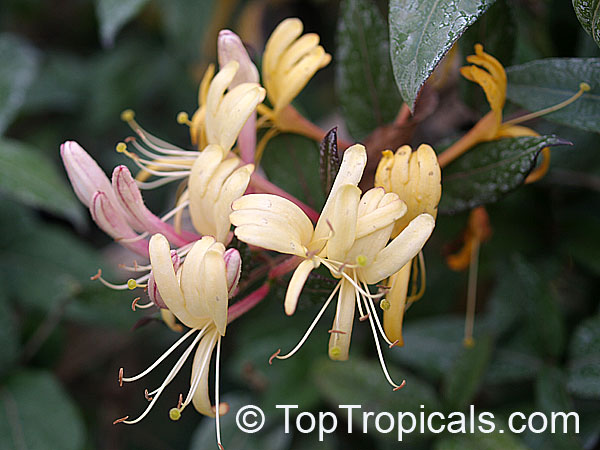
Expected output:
(489, 73)
(349, 239)
(197, 293)
(289, 62)
(416, 178)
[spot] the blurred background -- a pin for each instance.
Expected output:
(69, 67)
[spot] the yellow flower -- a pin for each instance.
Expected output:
(350, 240)
(488, 73)
(416, 178)
(289, 62)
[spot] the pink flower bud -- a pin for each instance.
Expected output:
(233, 265)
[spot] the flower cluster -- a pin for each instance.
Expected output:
(367, 241)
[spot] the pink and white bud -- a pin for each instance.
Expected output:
(233, 266)
(138, 215)
(111, 220)
(84, 173)
(153, 291)
(231, 48)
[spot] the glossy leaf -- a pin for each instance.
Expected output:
(421, 33)
(546, 82)
(114, 14)
(329, 160)
(37, 414)
(490, 170)
(364, 79)
(17, 71)
(463, 380)
(588, 13)
(584, 363)
(28, 176)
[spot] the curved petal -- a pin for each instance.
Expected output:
(200, 370)
(341, 331)
(192, 278)
(296, 284)
(343, 222)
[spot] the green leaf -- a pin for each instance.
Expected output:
(273, 438)
(9, 335)
(490, 170)
(584, 362)
(463, 380)
(588, 13)
(113, 15)
(329, 160)
(480, 441)
(28, 176)
(421, 32)
(512, 366)
(546, 82)
(18, 69)
(37, 414)
(364, 79)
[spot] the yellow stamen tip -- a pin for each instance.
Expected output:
(131, 284)
(182, 118)
(361, 260)
(335, 352)
(127, 115)
(174, 414)
(469, 342)
(384, 304)
(585, 87)
(121, 147)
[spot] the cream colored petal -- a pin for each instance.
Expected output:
(290, 84)
(351, 170)
(233, 188)
(370, 200)
(383, 173)
(341, 331)
(296, 284)
(201, 174)
(280, 206)
(266, 219)
(304, 45)
(394, 316)
(213, 288)
(270, 238)
(192, 278)
(200, 368)
(400, 172)
(343, 222)
(234, 111)
(381, 217)
(217, 88)
(166, 280)
(218, 178)
(401, 250)
(281, 38)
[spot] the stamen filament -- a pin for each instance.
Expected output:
(147, 185)
(217, 400)
(373, 311)
(312, 326)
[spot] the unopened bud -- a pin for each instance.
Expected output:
(231, 48)
(233, 265)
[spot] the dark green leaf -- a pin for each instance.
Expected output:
(18, 69)
(329, 160)
(37, 414)
(490, 170)
(588, 13)
(463, 380)
(113, 14)
(546, 82)
(584, 363)
(511, 366)
(27, 175)
(480, 441)
(421, 32)
(9, 335)
(364, 79)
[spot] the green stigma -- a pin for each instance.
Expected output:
(384, 304)
(182, 118)
(335, 352)
(174, 414)
(131, 284)
(127, 115)
(121, 147)
(361, 260)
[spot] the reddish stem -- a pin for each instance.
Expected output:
(247, 303)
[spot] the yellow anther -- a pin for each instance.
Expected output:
(127, 115)
(361, 260)
(183, 118)
(384, 304)
(335, 352)
(174, 414)
(131, 284)
(584, 87)
(121, 147)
